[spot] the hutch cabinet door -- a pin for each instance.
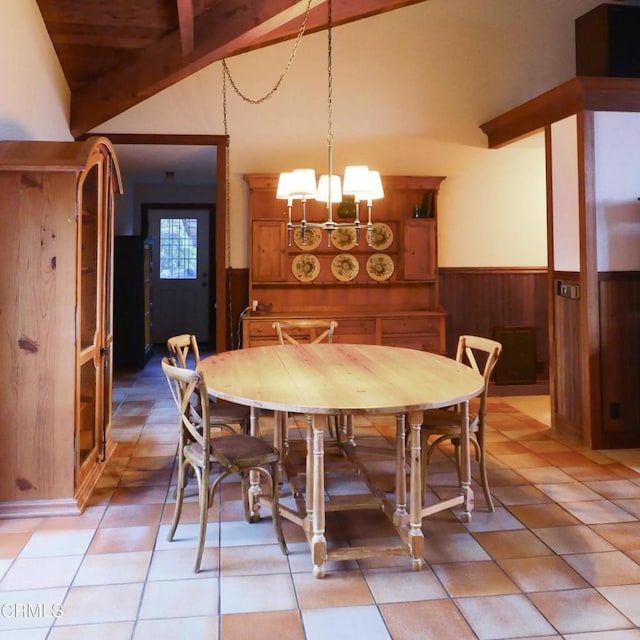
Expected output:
(419, 249)
(268, 251)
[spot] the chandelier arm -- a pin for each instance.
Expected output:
(276, 86)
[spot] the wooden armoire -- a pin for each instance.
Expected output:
(56, 252)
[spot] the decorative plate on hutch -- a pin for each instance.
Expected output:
(381, 236)
(343, 238)
(345, 267)
(380, 266)
(305, 267)
(312, 238)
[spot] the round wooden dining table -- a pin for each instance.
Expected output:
(352, 379)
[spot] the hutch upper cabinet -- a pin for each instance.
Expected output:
(56, 253)
(386, 293)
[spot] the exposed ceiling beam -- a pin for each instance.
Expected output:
(583, 93)
(228, 28)
(185, 21)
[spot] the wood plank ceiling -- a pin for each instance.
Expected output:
(117, 53)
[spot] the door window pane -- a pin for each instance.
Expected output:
(178, 248)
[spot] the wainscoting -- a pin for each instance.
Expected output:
(571, 413)
(237, 302)
(620, 358)
(477, 301)
(596, 363)
(481, 300)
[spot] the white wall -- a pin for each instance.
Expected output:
(411, 88)
(566, 201)
(617, 169)
(34, 101)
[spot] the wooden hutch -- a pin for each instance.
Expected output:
(56, 252)
(381, 294)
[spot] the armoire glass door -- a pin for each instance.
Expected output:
(106, 311)
(88, 434)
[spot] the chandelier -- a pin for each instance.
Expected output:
(363, 184)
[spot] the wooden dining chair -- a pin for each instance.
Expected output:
(184, 349)
(481, 354)
(305, 331)
(212, 459)
(313, 331)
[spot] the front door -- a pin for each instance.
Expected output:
(180, 280)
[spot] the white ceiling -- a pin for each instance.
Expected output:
(189, 163)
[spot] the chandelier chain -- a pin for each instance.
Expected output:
(227, 203)
(329, 77)
(276, 86)
(329, 95)
(226, 75)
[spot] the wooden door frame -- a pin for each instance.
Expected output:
(219, 226)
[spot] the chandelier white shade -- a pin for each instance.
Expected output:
(283, 192)
(375, 191)
(324, 194)
(303, 184)
(356, 180)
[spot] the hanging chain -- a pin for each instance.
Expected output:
(224, 101)
(329, 94)
(226, 75)
(227, 198)
(276, 86)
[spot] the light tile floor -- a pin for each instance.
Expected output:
(560, 557)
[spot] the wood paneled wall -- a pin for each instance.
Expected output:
(237, 302)
(612, 399)
(569, 376)
(478, 299)
(620, 358)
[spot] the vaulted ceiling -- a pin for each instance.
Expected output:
(117, 53)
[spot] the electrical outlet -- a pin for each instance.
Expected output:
(254, 305)
(614, 410)
(568, 290)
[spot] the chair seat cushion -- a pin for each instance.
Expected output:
(446, 421)
(235, 450)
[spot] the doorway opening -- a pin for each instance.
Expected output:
(219, 339)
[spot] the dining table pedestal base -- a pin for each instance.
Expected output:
(407, 523)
